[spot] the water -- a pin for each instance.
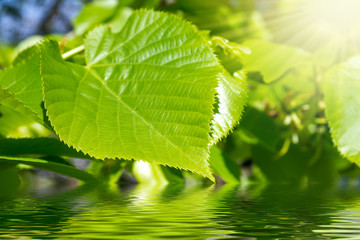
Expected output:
(179, 212)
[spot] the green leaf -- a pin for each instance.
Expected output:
(23, 81)
(271, 59)
(232, 95)
(342, 99)
(226, 168)
(146, 93)
(51, 166)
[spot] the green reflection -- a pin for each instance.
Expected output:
(345, 224)
(146, 211)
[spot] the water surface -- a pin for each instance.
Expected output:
(185, 212)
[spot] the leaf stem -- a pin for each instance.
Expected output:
(72, 52)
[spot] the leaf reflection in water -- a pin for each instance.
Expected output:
(185, 212)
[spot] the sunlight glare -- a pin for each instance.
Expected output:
(312, 24)
(338, 15)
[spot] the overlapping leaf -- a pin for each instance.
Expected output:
(21, 84)
(342, 99)
(146, 92)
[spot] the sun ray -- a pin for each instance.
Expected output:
(311, 24)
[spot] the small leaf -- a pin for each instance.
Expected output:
(146, 93)
(342, 99)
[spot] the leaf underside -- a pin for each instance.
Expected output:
(146, 93)
(232, 95)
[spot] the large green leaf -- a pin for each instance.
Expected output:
(231, 95)
(271, 59)
(146, 93)
(342, 99)
(49, 165)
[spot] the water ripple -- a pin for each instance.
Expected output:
(192, 212)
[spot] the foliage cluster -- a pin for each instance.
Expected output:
(169, 87)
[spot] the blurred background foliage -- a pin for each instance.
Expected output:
(284, 47)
